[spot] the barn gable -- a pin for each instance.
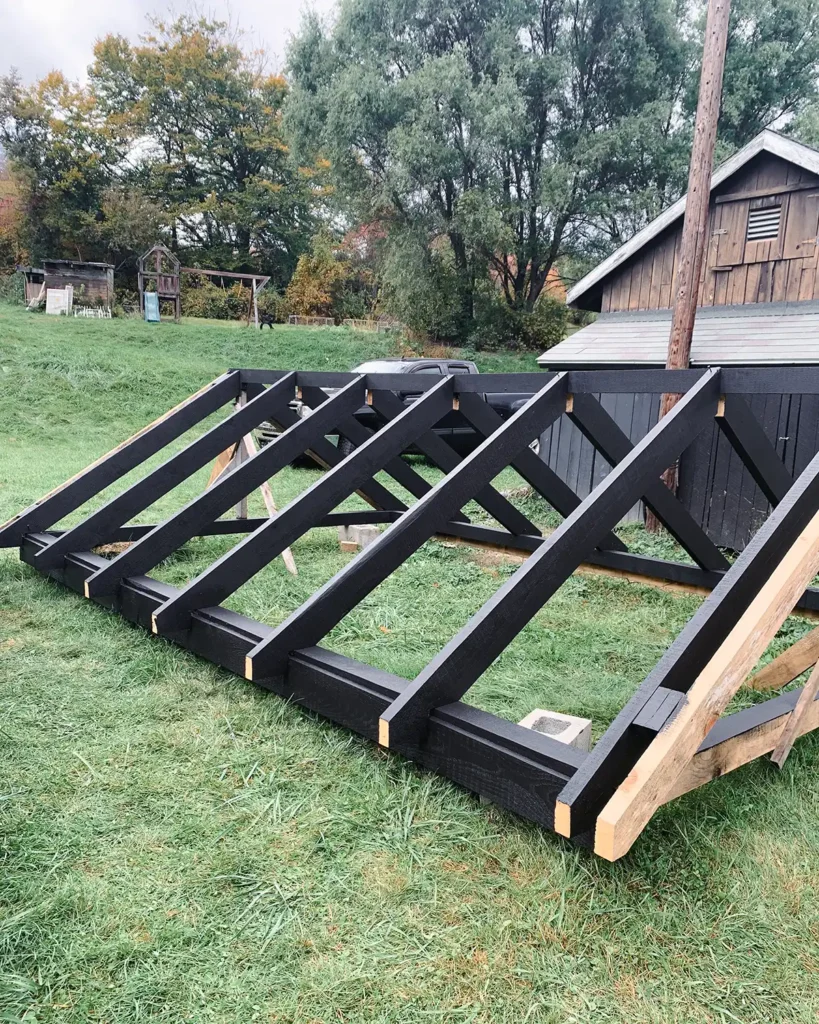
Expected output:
(761, 238)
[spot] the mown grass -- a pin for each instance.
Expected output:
(179, 846)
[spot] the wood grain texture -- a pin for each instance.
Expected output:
(788, 665)
(657, 770)
(794, 726)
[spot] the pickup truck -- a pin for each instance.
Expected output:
(453, 428)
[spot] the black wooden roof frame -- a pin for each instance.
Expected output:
(426, 718)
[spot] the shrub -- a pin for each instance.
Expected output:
(500, 327)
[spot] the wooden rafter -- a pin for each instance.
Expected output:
(668, 739)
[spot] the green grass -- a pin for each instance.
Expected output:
(177, 846)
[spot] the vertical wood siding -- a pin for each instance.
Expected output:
(734, 271)
(714, 485)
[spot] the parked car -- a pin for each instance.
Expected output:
(453, 428)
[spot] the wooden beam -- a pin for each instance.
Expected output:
(531, 467)
(716, 757)
(243, 561)
(135, 499)
(762, 193)
(655, 773)
(270, 504)
(388, 405)
(794, 725)
(188, 521)
(617, 750)
(788, 665)
(598, 427)
(751, 443)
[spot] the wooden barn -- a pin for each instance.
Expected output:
(93, 282)
(758, 306)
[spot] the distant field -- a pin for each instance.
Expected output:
(177, 846)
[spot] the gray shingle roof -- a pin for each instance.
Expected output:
(762, 334)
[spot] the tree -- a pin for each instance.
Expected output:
(63, 157)
(518, 132)
(204, 118)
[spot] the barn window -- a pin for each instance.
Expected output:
(764, 223)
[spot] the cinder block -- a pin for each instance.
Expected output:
(569, 729)
(354, 538)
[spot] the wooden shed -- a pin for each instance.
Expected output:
(93, 282)
(759, 306)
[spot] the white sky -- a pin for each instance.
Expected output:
(39, 37)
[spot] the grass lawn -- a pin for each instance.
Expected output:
(177, 846)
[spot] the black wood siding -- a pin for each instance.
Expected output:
(714, 485)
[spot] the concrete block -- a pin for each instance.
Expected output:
(355, 538)
(570, 729)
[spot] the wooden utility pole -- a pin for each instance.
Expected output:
(695, 222)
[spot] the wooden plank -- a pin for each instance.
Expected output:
(221, 463)
(795, 725)
(635, 800)
(251, 554)
(617, 751)
(363, 574)
(761, 193)
(788, 665)
(717, 756)
(801, 225)
(270, 504)
(451, 673)
(68, 496)
(185, 524)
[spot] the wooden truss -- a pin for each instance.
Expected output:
(669, 738)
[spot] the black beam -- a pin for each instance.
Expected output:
(225, 492)
(602, 431)
(452, 672)
(243, 561)
(120, 460)
(372, 566)
(388, 406)
(531, 467)
(767, 380)
(622, 744)
(751, 443)
(170, 474)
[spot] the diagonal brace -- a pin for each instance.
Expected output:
(751, 443)
(602, 431)
(170, 474)
(531, 467)
(226, 491)
(388, 406)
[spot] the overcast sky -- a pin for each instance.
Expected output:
(38, 37)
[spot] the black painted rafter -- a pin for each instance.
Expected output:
(426, 718)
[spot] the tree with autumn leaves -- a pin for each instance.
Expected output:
(179, 135)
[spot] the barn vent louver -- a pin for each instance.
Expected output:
(763, 224)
